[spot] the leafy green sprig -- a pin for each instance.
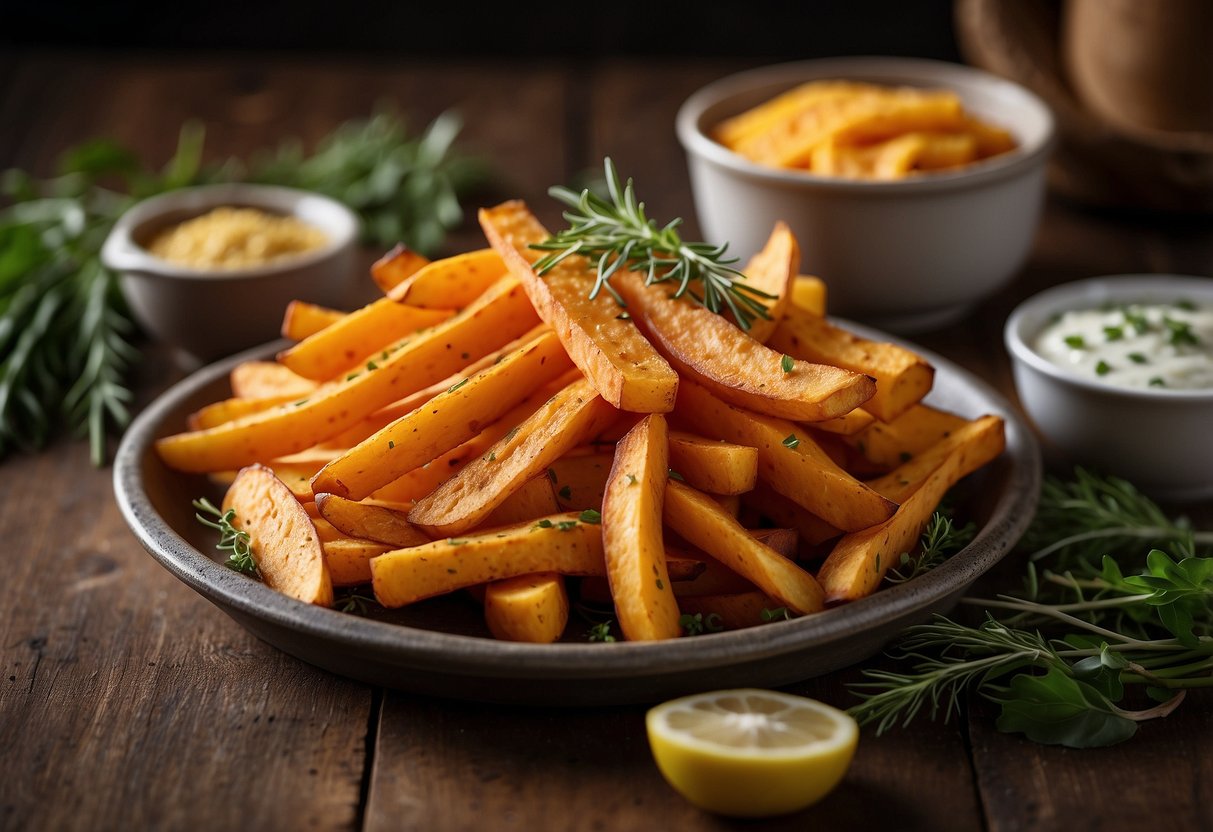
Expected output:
(231, 539)
(1065, 658)
(616, 232)
(940, 540)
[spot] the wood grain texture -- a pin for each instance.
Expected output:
(128, 702)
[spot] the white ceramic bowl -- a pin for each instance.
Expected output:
(1159, 439)
(907, 255)
(212, 313)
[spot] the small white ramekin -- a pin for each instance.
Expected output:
(1159, 439)
(908, 255)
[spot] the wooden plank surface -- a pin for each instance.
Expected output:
(128, 702)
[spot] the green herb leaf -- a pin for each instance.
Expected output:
(231, 539)
(616, 233)
(674, 475)
(1056, 709)
(1075, 341)
(791, 441)
(600, 632)
(457, 385)
(590, 516)
(787, 363)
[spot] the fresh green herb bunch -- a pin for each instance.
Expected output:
(65, 333)
(1070, 659)
(406, 189)
(617, 233)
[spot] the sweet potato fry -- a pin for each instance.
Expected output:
(302, 319)
(700, 521)
(708, 349)
(773, 271)
(788, 460)
(632, 535)
(902, 377)
(529, 608)
(421, 481)
(226, 410)
(283, 538)
(848, 424)
(713, 466)
(451, 283)
(888, 444)
(623, 367)
(465, 500)
(809, 293)
(396, 266)
(580, 480)
(349, 559)
(358, 339)
(983, 437)
(563, 545)
(262, 379)
(445, 421)
(369, 522)
(534, 500)
(859, 561)
(775, 507)
(500, 315)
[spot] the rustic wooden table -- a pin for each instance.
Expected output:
(128, 702)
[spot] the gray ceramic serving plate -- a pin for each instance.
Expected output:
(441, 647)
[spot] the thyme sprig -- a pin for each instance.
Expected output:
(615, 232)
(1064, 656)
(231, 539)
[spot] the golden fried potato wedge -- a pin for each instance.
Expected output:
(902, 377)
(445, 421)
(698, 519)
(349, 559)
(773, 271)
(632, 534)
(263, 379)
(451, 283)
(708, 349)
(302, 319)
(859, 561)
(889, 444)
(464, 501)
(788, 460)
(712, 465)
(500, 315)
(533, 500)
(560, 543)
(369, 522)
(396, 266)
(809, 293)
(284, 540)
(227, 410)
(621, 364)
(358, 341)
(529, 608)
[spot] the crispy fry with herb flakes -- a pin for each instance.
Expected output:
(632, 535)
(529, 608)
(560, 543)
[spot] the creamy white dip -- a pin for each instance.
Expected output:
(1135, 345)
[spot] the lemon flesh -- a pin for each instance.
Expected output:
(751, 753)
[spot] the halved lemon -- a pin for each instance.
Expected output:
(751, 753)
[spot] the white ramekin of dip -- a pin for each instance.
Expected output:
(1117, 374)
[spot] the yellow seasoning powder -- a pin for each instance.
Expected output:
(235, 238)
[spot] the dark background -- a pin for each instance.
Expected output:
(763, 28)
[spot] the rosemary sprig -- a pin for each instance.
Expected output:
(231, 539)
(616, 233)
(1062, 657)
(940, 540)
